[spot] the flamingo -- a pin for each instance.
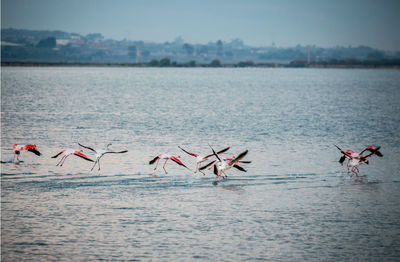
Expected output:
(101, 153)
(223, 165)
(200, 159)
(355, 160)
(166, 157)
(229, 160)
(18, 148)
(67, 152)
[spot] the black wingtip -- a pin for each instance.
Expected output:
(33, 150)
(153, 160)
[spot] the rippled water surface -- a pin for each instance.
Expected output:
(295, 202)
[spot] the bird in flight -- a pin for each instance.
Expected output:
(166, 157)
(18, 148)
(67, 152)
(200, 159)
(356, 159)
(224, 164)
(101, 152)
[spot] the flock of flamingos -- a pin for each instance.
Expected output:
(219, 165)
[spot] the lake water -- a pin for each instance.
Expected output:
(296, 202)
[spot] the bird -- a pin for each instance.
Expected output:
(166, 157)
(67, 152)
(18, 148)
(101, 153)
(200, 159)
(229, 159)
(222, 165)
(355, 160)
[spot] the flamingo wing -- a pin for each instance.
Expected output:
(206, 166)
(77, 153)
(239, 167)
(239, 157)
(113, 152)
(187, 152)
(58, 154)
(346, 153)
(153, 160)
(215, 154)
(87, 147)
(176, 160)
(219, 152)
(373, 150)
(215, 170)
(33, 149)
(342, 158)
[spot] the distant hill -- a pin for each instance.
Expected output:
(18, 45)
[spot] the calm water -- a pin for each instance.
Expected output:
(295, 202)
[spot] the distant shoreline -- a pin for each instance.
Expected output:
(239, 65)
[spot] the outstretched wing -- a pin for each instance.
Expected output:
(32, 148)
(187, 152)
(219, 152)
(345, 153)
(215, 154)
(87, 147)
(77, 153)
(176, 160)
(58, 154)
(153, 160)
(373, 150)
(208, 165)
(239, 157)
(240, 168)
(120, 152)
(35, 151)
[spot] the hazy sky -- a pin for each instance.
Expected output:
(325, 23)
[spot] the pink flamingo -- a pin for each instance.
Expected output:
(166, 157)
(18, 148)
(355, 160)
(229, 160)
(222, 165)
(67, 152)
(200, 159)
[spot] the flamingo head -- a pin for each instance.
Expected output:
(108, 145)
(366, 161)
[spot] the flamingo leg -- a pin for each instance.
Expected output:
(94, 165)
(164, 166)
(60, 160)
(18, 157)
(64, 160)
(98, 162)
(156, 164)
(357, 170)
